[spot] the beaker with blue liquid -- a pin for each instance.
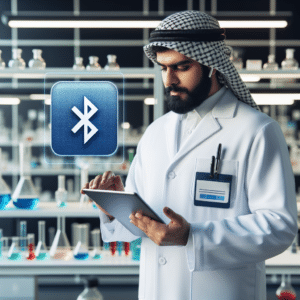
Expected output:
(5, 192)
(81, 250)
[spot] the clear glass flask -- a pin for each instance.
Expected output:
(37, 62)
(81, 250)
(5, 192)
(271, 65)
(90, 291)
(289, 63)
(41, 248)
(78, 65)
(285, 290)
(61, 195)
(236, 60)
(2, 63)
(31, 246)
(96, 253)
(60, 248)
(25, 195)
(112, 62)
(93, 64)
(14, 252)
(17, 62)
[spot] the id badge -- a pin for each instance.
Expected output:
(212, 192)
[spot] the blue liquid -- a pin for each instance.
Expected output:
(15, 256)
(97, 256)
(26, 203)
(43, 256)
(106, 246)
(4, 200)
(62, 204)
(94, 205)
(81, 256)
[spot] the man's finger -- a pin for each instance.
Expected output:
(97, 180)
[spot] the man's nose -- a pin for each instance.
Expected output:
(170, 78)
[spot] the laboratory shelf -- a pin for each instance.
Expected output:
(50, 210)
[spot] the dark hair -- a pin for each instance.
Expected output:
(156, 49)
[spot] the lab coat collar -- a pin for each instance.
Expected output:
(208, 126)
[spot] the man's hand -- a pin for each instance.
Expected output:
(175, 233)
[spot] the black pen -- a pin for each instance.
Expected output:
(218, 160)
(212, 167)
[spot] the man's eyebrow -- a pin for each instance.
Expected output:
(183, 62)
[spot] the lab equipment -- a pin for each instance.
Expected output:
(17, 62)
(4, 248)
(236, 60)
(81, 250)
(96, 253)
(61, 195)
(2, 63)
(126, 248)
(28, 132)
(285, 290)
(41, 249)
(271, 64)
(136, 249)
(25, 195)
(5, 192)
(78, 64)
(31, 246)
(60, 248)
(93, 64)
(112, 247)
(51, 232)
(0, 243)
(4, 131)
(23, 235)
(37, 62)
(84, 179)
(120, 248)
(112, 62)
(289, 63)
(90, 291)
(14, 250)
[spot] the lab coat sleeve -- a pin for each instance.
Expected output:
(114, 230)
(272, 224)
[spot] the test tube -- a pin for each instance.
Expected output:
(31, 246)
(23, 235)
(96, 243)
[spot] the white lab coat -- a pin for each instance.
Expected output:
(225, 254)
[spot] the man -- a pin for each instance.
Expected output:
(208, 249)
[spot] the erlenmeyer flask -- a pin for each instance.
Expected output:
(25, 194)
(5, 193)
(60, 248)
(41, 248)
(96, 254)
(14, 250)
(286, 291)
(61, 195)
(81, 250)
(31, 246)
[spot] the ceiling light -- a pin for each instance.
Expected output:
(150, 101)
(9, 101)
(275, 99)
(39, 97)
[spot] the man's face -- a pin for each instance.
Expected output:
(186, 81)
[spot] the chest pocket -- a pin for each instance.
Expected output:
(229, 167)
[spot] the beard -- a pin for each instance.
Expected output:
(194, 98)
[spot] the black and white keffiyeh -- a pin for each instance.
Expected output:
(203, 43)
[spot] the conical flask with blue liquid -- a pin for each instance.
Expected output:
(5, 192)
(25, 195)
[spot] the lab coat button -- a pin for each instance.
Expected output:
(162, 261)
(171, 175)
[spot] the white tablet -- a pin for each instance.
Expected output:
(121, 205)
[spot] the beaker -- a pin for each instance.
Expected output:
(60, 248)
(31, 246)
(5, 192)
(25, 194)
(14, 252)
(61, 195)
(96, 253)
(81, 250)
(41, 248)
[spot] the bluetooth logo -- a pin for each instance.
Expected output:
(85, 119)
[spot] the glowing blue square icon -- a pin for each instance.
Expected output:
(84, 118)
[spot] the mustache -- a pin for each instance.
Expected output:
(175, 89)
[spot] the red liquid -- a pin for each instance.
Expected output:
(126, 248)
(31, 255)
(113, 246)
(286, 296)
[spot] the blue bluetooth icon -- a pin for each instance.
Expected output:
(84, 118)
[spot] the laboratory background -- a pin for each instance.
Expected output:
(50, 241)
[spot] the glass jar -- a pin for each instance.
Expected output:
(17, 62)
(93, 64)
(37, 62)
(112, 62)
(78, 64)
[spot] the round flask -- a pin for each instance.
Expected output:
(37, 62)
(17, 62)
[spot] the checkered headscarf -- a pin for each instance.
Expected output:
(209, 53)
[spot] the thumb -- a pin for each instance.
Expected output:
(171, 214)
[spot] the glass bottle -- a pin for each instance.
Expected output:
(14, 250)
(112, 62)
(285, 290)
(93, 64)
(271, 64)
(60, 248)
(90, 291)
(25, 195)
(41, 248)
(2, 63)
(81, 250)
(5, 192)
(61, 195)
(37, 62)
(96, 253)
(31, 246)
(289, 63)
(236, 60)
(78, 65)
(17, 62)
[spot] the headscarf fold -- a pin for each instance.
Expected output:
(198, 36)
